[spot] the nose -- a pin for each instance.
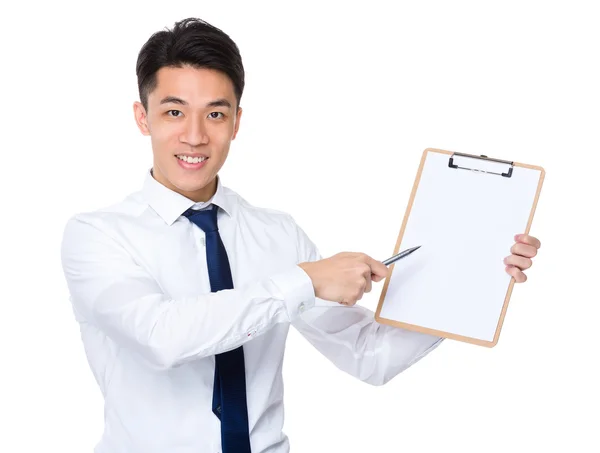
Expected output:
(195, 133)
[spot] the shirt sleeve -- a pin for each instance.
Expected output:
(118, 296)
(351, 338)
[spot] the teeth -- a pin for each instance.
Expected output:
(191, 160)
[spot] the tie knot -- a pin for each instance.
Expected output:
(206, 219)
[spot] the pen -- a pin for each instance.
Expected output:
(400, 255)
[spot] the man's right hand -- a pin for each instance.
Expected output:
(344, 277)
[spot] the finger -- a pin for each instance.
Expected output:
(526, 250)
(376, 278)
(357, 296)
(519, 261)
(377, 267)
(527, 239)
(514, 272)
(366, 274)
(348, 302)
(362, 288)
(368, 283)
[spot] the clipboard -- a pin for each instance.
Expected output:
(464, 211)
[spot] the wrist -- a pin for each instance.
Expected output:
(307, 268)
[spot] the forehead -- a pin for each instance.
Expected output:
(195, 85)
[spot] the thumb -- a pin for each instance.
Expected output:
(377, 278)
(378, 270)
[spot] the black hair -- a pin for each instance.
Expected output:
(191, 42)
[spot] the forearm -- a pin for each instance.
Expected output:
(354, 342)
(168, 332)
(114, 293)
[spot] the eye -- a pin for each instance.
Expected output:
(176, 116)
(212, 115)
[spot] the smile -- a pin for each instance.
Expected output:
(192, 160)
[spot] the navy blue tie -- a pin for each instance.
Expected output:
(229, 391)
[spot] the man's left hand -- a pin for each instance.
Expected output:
(523, 250)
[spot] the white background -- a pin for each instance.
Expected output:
(341, 100)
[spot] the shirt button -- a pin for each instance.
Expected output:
(301, 307)
(252, 332)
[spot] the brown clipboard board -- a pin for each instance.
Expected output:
(440, 333)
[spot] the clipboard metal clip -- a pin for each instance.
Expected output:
(487, 169)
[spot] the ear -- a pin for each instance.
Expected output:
(141, 118)
(238, 116)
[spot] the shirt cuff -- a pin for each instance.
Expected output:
(297, 290)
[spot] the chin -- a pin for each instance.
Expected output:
(185, 180)
(192, 183)
(191, 186)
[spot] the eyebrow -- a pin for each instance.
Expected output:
(222, 102)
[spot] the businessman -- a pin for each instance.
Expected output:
(184, 291)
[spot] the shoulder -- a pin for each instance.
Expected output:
(266, 215)
(105, 219)
(269, 219)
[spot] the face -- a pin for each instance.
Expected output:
(191, 120)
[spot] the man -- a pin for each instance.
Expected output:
(185, 292)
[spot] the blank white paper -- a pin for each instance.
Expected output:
(465, 222)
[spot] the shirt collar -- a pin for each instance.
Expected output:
(169, 205)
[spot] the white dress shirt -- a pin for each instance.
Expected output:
(139, 287)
